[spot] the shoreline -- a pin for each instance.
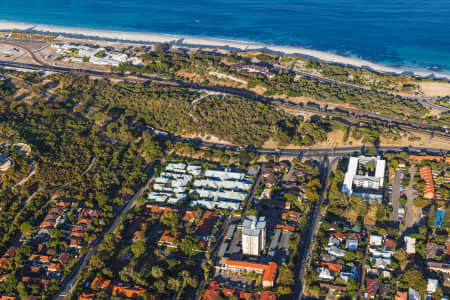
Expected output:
(228, 44)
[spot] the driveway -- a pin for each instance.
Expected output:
(395, 196)
(411, 196)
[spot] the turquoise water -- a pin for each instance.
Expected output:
(440, 214)
(393, 32)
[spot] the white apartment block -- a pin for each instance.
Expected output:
(367, 186)
(253, 235)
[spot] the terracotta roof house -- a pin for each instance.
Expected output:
(385, 290)
(269, 271)
(40, 258)
(127, 291)
(268, 295)
(434, 249)
(206, 223)
(247, 295)
(91, 213)
(76, 243)
(86, 296)
(63, 258)
(101, 283)
(167, 238)
(390, 243)
(425, 174)
(212, 291)
(331, 266)
(63, 204)
(189, 215)
(54, 267)
(372, 286)
(401, 295)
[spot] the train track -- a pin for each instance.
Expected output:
(357, 115)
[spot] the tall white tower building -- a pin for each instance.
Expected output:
(253, 235)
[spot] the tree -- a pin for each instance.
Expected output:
(171, 219)
(431, 216)
(138, 248)
(189, 246)
(414, 278)
(157, 272)
(349, 256)
(285, 277)
(400, 255)
(160, 286)
(26, 227)
(152, 150)
(173, 284)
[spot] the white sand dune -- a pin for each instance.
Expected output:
(215, 43)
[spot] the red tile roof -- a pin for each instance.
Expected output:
(270, 269)
(372, 286)
(401, 295)
(86, 296)
(268, 295)
(127, 291)
(100, 282)
(40, 258)
(425, 174)
(331, 266)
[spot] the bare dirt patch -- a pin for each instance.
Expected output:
(435, 89)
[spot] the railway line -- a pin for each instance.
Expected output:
(355, 115)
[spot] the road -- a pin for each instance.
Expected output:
(395, 196)
(306, 249)
(68, 284)
(224, 228)
(310, 152)
(425, 101)
(411, 196)
(42, 65)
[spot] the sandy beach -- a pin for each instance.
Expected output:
(189, 41)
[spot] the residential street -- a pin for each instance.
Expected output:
(395, 196)
(411, 196)
(308, 241)
(68, 284)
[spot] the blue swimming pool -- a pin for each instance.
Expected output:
(440, 213)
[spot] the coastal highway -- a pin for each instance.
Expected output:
(425, 101)
(310, 152)
(355, 114)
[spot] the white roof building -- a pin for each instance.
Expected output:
(333, 250)
(224, 175)
(325, 274)
(410, 245)
(211, 204)
(413, 294)
(158, 197)
(377, 253)
(332, 241)
(364, 182)
(194, 169)
(351, 244)
(253, 235)
(218, 195)
(432, 285)
(175, 166)
(381, 263)
(223, 184)
(376, 240)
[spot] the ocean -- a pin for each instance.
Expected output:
(398, 33)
